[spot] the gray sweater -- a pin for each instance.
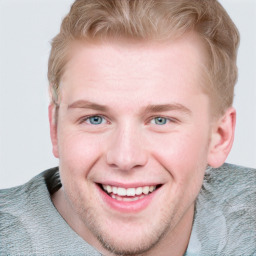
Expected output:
(224, 222)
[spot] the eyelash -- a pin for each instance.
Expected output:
(86, 118)
(167, 119)
(151, 119)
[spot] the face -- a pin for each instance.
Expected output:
(132, 137)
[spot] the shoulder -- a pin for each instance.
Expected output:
(31, 225)
(19, 208)
(230, 174)
(230, 188)
(21, 197)
(225, 211)
(230, 184)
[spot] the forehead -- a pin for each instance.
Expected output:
(118, 68)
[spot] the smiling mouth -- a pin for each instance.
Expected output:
(128, 194)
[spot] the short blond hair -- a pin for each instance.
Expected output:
(154, 20)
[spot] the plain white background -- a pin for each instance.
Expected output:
(26, 29)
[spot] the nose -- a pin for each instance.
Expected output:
(126, 150)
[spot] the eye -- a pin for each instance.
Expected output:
(160, 120)
(95, 120)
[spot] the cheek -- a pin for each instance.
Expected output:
(184, 155)
(185, 158)
(78, 151)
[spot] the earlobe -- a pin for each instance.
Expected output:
(53, 128)
(222, 137)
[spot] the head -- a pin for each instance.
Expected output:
(146, 20)
(142, 95)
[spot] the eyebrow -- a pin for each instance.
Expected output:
(149, 109)
(87, 104)
(167, 107)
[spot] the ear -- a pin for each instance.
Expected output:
(222, 137)
(52, 114)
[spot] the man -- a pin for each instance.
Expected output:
(142, 121)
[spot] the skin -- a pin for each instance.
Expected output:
(130, 147)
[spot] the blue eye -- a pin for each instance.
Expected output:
(95, 120)
(160, 120)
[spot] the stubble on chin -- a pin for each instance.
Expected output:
(152, 234)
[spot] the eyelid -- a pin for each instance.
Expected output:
(85, 118)
(168, 118)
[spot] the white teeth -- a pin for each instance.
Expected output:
(109, 189)
(127, 199)
(114, 190)
(121, 191)
(130, 191)
(138, 191)
(145, 190)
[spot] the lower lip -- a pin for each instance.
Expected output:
(127, 207)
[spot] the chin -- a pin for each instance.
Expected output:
(129, 244)
(127, 238)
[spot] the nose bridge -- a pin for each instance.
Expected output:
(126, 149)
